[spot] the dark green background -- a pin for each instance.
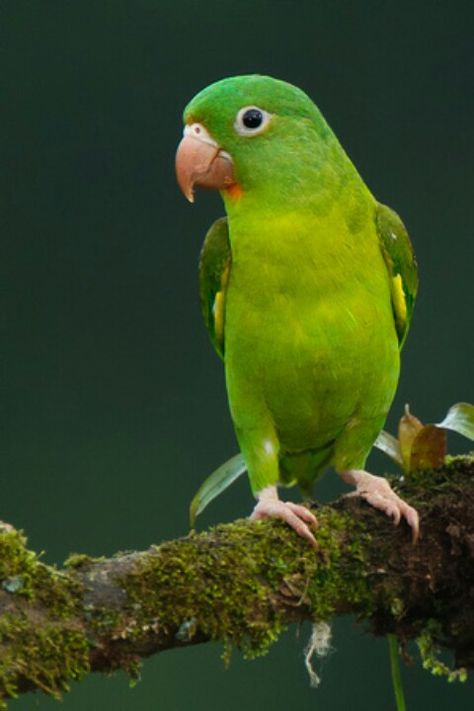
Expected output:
(115, 406)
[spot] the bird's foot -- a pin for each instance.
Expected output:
(298, 517)
(378, 493)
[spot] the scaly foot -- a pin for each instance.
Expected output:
(378, 493)
(295, 515)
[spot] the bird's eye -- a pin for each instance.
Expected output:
(250, 121)
(252, 118)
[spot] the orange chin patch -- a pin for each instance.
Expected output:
(234, 191)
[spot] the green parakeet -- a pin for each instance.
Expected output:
(307, 289)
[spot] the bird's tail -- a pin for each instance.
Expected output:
(305, 468)
(215, 484)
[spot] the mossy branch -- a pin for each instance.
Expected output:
(243, 583)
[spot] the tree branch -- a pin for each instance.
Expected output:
(243, 583)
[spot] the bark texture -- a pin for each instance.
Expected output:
(243, 583)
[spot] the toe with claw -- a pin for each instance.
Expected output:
(378, 493)
(298, 517)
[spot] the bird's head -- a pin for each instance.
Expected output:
(250, 133)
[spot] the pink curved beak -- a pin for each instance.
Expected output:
(201, 162)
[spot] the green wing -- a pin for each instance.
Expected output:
(214, 271)
(400, 259)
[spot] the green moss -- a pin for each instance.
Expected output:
(45, 655)
(228, 591)
(456, 461)
(420, 486)
(337, 572)
(205, 593)
(429, 653)
(133, 669)
(23, 574)
(397, 608)
(17, 564)
(79, 561)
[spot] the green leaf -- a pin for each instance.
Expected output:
(215, 484)
(460, 418)
(428, 449)
(388, 444)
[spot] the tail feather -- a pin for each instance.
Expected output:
(215, 484)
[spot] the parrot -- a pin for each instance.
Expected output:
(307, 288)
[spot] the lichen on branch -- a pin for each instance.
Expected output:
(243, 583)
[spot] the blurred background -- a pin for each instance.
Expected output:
(114, 405)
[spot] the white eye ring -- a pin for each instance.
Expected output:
(251, 115)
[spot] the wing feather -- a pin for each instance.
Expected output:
(401, 263)
(214, 270)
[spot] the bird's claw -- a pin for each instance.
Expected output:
(377, 491)
(298, 517)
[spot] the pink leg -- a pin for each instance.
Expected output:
(378, 493)
(296, 516)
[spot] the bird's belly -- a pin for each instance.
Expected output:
(311, 364)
